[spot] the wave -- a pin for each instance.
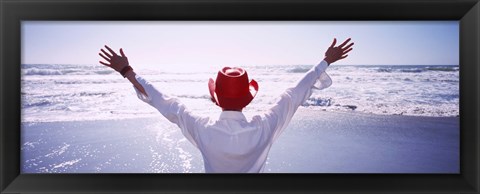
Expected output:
(327, 103)
(442, 69)
(35, 71)
(104, 72)
(356, 88)
(82, 94)
(299, 70)
(37, 104)
(193, 96)
(87, 81)
(401, 70)
(406, 69)
(64, 70)
(318, 102)
(414, 70)
(384, 70)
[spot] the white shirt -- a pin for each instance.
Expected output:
(231, 143)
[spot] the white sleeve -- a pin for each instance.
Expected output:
(277, 118)
(172, 109)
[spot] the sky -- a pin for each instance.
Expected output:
(237, 43)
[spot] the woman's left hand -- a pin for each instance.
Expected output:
(114, 61)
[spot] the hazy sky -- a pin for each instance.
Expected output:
(240, 43)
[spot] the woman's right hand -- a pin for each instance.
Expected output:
(114, 61)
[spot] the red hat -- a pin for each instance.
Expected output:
(232, 90)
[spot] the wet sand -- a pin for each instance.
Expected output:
(314, 142)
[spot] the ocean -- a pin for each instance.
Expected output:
(94, 92)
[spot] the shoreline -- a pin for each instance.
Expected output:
(247, 114)
(314, 142)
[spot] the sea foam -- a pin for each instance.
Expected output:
(94, 92)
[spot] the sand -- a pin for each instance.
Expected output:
(314, 142)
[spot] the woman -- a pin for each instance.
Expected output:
(231, 143)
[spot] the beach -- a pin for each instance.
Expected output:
(315, 141)
(373, 119)
(392, 106)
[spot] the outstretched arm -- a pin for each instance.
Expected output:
(121, 65)
(169, 107)
(278, 117)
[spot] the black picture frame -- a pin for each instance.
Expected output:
(12, 12)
